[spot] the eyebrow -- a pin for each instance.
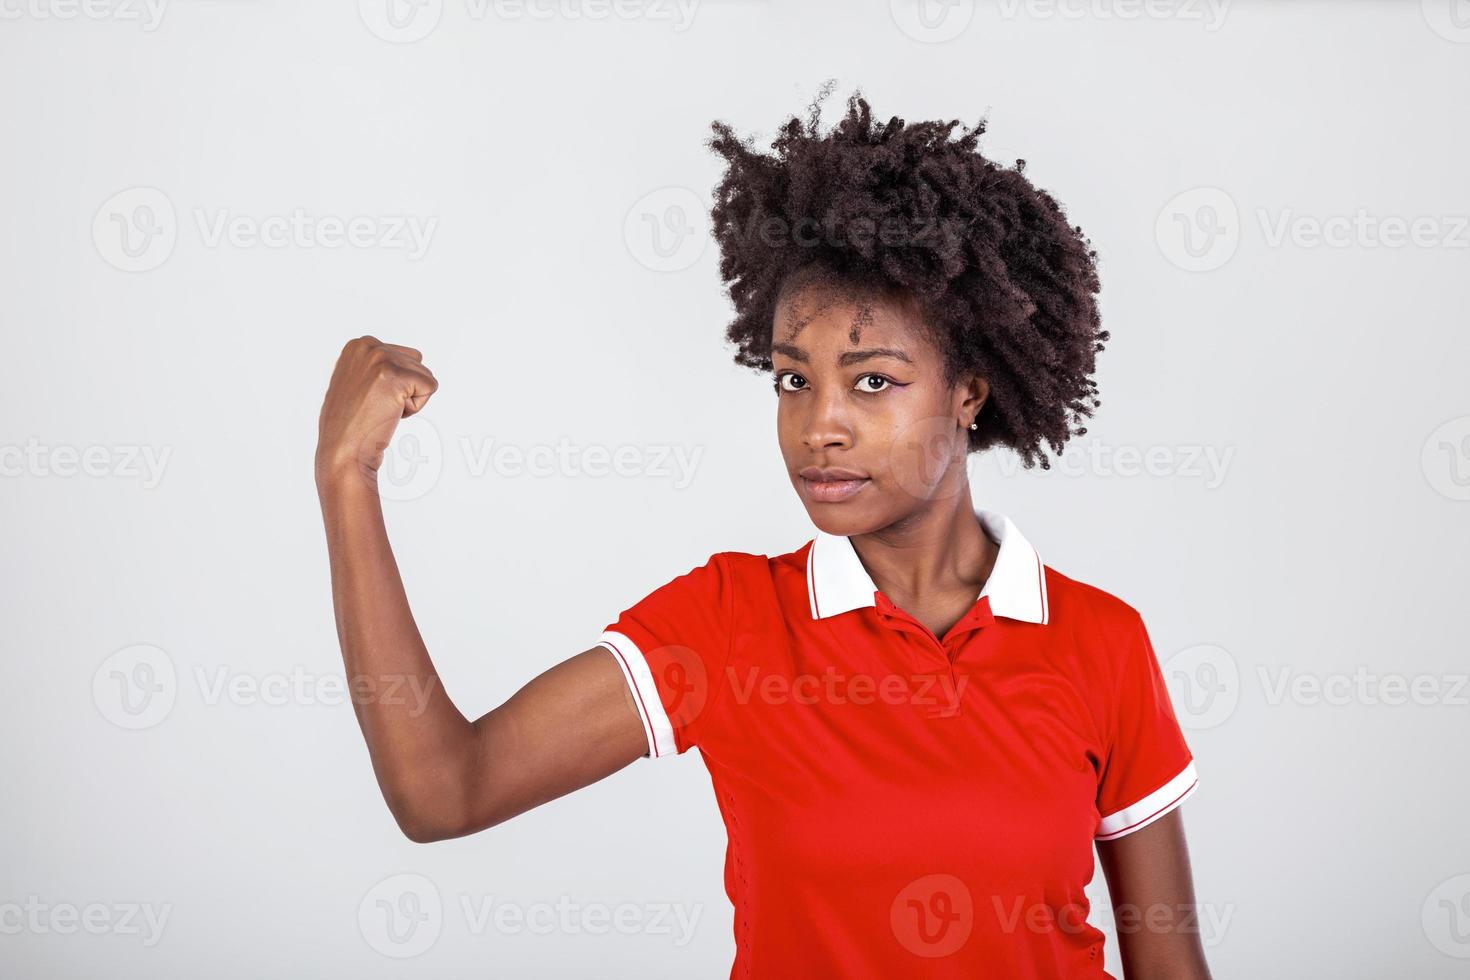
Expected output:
(846, 357)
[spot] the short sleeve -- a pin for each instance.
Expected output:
(1149, 768)
(672, 647)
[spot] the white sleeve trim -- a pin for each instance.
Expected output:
(1153, 806)
(656, 725)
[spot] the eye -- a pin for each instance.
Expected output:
(864, 383)
(784, 376)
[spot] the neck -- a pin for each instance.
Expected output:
(939, 549)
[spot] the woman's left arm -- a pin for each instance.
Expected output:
(1152, 892)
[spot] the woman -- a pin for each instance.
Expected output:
(915, 730)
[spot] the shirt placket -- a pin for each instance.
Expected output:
(937, 657)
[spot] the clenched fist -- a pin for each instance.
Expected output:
(373, 386)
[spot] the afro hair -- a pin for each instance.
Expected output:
(1006, 286)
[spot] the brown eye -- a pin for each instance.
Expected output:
(789, 376)
(864, 382)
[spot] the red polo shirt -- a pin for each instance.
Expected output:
(898, 804)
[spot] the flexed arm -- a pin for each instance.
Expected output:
(441, 774)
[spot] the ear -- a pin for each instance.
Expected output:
(974, 393)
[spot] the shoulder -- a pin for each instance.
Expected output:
(1082, 605)
(744, 564)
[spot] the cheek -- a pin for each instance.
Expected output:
(918, 449)
(787, 433)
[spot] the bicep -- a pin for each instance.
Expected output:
(1151, 888)
(565, 729)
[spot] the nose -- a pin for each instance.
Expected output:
(826, 424)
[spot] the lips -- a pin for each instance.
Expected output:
(831, 485)
(830, 475)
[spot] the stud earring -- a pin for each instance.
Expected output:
(974, 425)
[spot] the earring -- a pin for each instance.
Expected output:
(974, 425)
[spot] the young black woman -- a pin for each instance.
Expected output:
(916, 731)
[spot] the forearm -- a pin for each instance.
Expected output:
(420, 743)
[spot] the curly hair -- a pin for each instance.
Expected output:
(1005, 285)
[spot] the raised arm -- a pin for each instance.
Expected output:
(441, 774)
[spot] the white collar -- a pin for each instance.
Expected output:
(837, 582)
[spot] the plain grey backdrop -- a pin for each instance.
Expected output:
(203, 199)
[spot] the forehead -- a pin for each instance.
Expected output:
(820, 316)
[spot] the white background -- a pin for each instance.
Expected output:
(1327, 545)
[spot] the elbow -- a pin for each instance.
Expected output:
(426, 827)
(422, 832)
(425, 816)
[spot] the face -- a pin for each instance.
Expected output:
(871, 434)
